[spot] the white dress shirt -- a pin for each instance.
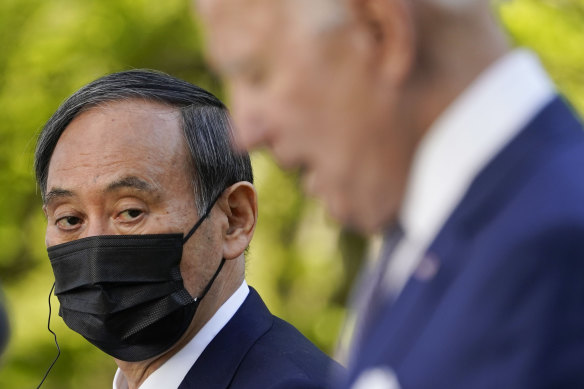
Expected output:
(460, 143)
(173, 371)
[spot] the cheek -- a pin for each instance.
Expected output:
(52, 237)
(49, 241)
(200, 254)
(192, 271)
(298, 108)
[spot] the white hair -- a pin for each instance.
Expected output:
(320, 14)
(325, 15)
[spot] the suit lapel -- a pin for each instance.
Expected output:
(397, 331)
(218, 364)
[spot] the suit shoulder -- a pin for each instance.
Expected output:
(287, 360)
(552, 197)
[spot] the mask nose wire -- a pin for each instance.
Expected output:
(55, 335)
(201, 220)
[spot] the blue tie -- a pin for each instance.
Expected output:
(372, 296)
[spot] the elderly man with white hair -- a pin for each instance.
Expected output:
(416, 119)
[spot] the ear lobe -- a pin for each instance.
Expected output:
(389, 25)
(241, 210)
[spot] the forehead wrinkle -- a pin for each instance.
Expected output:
(116, 153)
(132, 182)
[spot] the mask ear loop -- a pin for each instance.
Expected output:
(55, 336)
(210, 283)
(201, 220)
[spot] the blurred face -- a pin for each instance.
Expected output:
(320, 96)
(121, 168)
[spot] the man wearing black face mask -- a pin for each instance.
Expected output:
(149, 212)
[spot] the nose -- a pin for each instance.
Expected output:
(97, 227)
(250, 121)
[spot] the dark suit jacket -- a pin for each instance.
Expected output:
(256, 350)
(506, 306)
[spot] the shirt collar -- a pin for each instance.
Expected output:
(486, 116)
(173, 371)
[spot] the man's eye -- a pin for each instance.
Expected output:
(255, 75)
(68, 222)
(130, 214)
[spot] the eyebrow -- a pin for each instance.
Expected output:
(57, 193)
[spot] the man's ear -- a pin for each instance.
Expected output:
(389, 28)
(240, 205)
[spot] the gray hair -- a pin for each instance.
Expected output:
(326, 15)
(320, 15)
(205, 123)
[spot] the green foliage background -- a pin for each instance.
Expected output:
(300, 262)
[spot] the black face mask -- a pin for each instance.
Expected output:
(125, 293)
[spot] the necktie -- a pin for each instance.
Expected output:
(371, 296)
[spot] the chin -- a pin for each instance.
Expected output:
(352, 221)
(366, 220)
(365, 227)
